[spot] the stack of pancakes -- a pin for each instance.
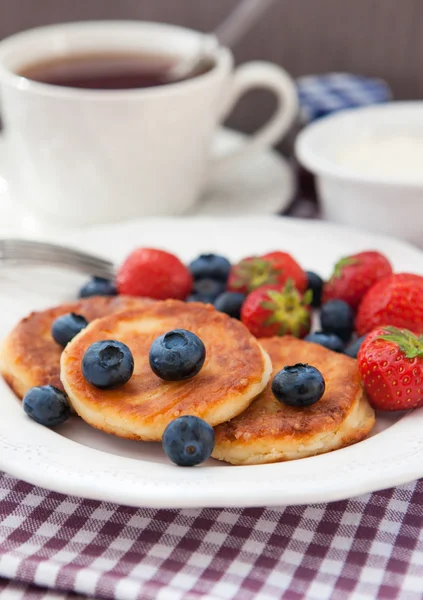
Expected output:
(232, 392)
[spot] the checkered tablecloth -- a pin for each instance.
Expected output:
(366, 548)
(321, 95)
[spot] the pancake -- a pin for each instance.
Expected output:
(270, 431)
(30, 357)
(235, 370)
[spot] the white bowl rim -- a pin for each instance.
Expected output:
(320, 165)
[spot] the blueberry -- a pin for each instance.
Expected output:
(315, 284)
(210, 266)
(188, 441)
(230, 303)
(107, 364)
(207, 290)
(177, 355)
(328, 340)
(354, 347)
(299, 385)
(47, 405)
(97, 286)
(65, 328)
(337, 317)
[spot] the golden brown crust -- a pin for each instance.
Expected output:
(268, 416)
(234, 372)
(270, 431)
(30, 357)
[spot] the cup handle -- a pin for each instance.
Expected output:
(260, 74)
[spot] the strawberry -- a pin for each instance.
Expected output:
(390, 362)
(354, 275)
(273, 310)
(395, 300)
(274, 268)
(154, 274)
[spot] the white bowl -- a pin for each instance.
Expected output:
(383, 199)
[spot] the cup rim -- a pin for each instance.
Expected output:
(224, 60)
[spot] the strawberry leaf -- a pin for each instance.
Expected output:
(409, 344)
(341, 264)
(272, 320)
(287, 309)
(255, 272)
(283, 330)
(268, 305)
(275, 296)
(308, 297)
(289, 286)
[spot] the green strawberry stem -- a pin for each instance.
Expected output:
(308, 297)
(255, 273)
(288, 309)
(344, 262)
(409, 344)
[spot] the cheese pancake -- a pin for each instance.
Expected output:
(30, 357)
(236, 369)
(270, 431)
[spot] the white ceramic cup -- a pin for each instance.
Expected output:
(82, 156)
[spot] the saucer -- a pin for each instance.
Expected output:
(260, 183)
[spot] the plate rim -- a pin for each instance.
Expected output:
(66, 466)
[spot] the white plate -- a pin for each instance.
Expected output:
(259, 183)
(76, 459)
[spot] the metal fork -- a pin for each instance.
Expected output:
(43, 253)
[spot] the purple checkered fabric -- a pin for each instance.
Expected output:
(54, 546)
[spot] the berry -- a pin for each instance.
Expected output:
(354, 347)
(188, 441)
(66, 327)
(107, 364)
(207, 290)
(272, 310)
(315, 284)
(47, 405)
(337, 317)
(97, 286)
(354, 275)
(300, 385)
(396, 300)
(328, 340)
(230, 303)
(210, 266)
(390, 362)
(275, 268)
(154, 274)
(177, 355)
